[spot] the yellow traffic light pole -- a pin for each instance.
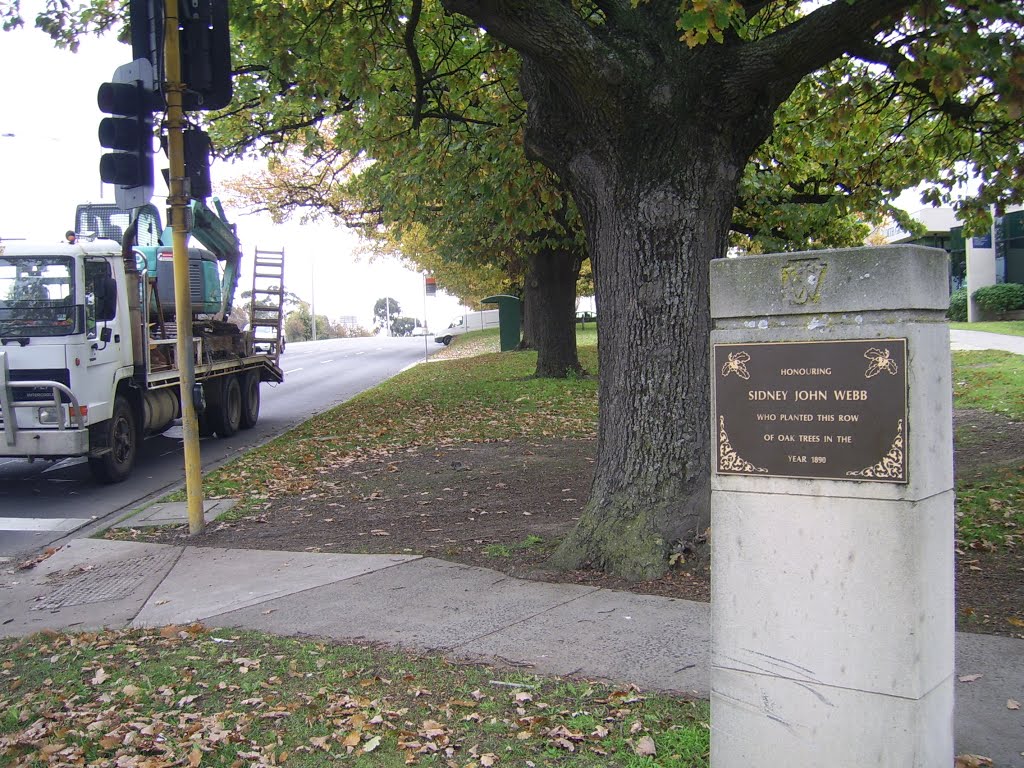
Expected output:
(178, 201)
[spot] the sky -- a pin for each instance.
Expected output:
(49, 163)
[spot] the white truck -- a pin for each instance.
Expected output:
(88, 356)
(471, 321)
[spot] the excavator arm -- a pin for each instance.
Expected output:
(220, 238)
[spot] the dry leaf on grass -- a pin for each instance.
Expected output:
(645, 747)
(971, 761)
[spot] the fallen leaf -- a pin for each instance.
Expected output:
(971, 761)
(372, 744)
(645, 747)
(1015, 621)
(100, 676)
(352, 740)
(970, 678)
(1012, 704)
(195, 758)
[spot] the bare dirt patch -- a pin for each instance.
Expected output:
(505, 505)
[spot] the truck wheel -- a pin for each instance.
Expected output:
(121, 436)
(250, 399)
(227, 414)
(446, 340)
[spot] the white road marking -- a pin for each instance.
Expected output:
(293, 370)
(325, 362)
(42, 523)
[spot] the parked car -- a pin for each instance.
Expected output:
(471, 321)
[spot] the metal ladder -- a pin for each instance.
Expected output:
(267, 309)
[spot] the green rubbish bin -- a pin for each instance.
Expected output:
(510, 319)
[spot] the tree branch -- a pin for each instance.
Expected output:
(547, 31)
(616, 11)
(813, 41)
(414, 61)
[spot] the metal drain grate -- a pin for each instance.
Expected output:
(110, 581)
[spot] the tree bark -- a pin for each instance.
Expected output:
(549, 310)
(653, 235)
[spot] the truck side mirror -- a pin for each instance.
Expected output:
(106, 298)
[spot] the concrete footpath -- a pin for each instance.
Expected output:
(430, 605)
(983, 340)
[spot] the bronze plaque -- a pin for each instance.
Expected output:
(815, 409)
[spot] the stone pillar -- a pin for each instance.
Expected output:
(832, 510)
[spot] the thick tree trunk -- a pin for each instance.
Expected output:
(530, 320)
(654, 222)
(549, 298)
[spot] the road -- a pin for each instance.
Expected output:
(44, 501)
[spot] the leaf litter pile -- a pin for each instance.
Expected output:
(475, 461)
(185, 696)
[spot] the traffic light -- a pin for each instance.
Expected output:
(205, 54)
(197, 163)
(129, 99)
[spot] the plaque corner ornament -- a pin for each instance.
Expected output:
(728, 459)
(737, 364)
(891, 465)
(880, 360)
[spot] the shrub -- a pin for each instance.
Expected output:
(1005, 297)
(958, 306)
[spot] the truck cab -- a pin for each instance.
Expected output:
(64, 335)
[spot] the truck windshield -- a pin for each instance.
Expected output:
(37, 296)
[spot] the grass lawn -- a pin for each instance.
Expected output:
(1008, 327)
(185, 696)
(493, 396)
(990, 380)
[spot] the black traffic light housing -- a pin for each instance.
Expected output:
(205, 53)
(197, 163)
(129, 133)
(204, 46)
